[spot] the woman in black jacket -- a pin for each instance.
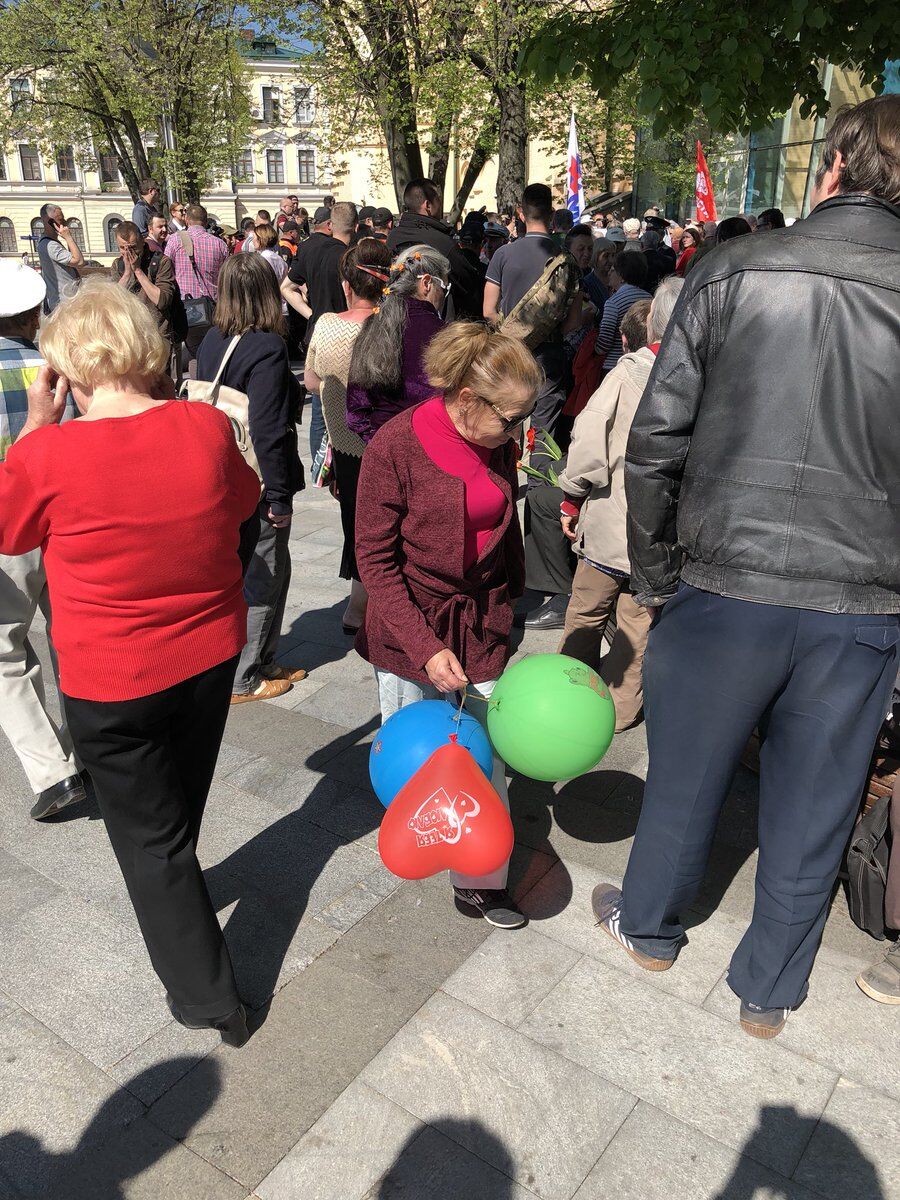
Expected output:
(249, 308)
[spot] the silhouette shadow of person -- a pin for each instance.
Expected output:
(111, 1150)
(434, 1165)
(832, 1163)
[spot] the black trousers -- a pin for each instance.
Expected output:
(346, 474)
(549, 561)
(551, 399)
(152, 761)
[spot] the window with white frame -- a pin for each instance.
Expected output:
(306, 165)
(110, 224)
(275, 166)
(271, 98)
(243, 170)
(304, 107)
(30, 158)
(66, 171)
(7, 236)
(21, 92)
(37, 228)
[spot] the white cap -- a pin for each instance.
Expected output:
(632, 225)
(21, 288)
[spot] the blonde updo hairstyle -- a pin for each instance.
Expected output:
(489, 362)
(103, 334)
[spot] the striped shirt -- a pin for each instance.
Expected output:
(609, 335)
(198, 276)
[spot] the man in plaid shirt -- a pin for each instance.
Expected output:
(43, 747)
(198, 275)
(197, 256)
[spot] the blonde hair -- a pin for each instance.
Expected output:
(469, 354)
(266, 237)
(102, 334)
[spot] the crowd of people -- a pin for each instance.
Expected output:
(710, 447)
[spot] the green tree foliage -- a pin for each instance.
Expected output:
(104, 75)
(741, 64)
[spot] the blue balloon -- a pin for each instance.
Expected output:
(408, 739)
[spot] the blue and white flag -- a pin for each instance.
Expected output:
(575, 193)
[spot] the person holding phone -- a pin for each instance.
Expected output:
(60, 257)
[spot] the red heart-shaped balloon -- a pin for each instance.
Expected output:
(448, 817)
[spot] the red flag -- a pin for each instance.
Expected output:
(703, 192)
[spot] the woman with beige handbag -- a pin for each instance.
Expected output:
(244, 358)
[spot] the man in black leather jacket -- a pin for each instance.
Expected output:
(763, 485)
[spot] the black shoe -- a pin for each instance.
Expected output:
(550, 615)
(233, 1028)
(496, 906)
(61, 795)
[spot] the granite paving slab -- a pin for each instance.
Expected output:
(21, 887)
(653, 1155)
(699, 1068)
(502, 1091)
(854, 1152)
(838, 1025)
(346, 1152)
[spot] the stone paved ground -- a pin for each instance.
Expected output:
(402, 1050)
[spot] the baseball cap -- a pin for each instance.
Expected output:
(290, 226)
(632, 225)
(321, 215)
(492, 229)
(381, 216)
(228, 230)
(21, 288)
(366, 213)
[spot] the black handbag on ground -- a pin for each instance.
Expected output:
(868, 857)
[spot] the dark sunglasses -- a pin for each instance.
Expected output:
(509, 423)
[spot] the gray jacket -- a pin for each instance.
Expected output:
(764, 458)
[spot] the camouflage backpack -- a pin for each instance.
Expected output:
(544, 306)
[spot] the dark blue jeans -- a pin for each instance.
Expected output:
(818, 686)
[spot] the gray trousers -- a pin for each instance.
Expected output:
(265, 590)
(44, 748)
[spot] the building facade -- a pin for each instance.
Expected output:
(281, 158)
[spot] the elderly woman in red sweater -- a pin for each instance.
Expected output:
(140, 543)
(438, 543)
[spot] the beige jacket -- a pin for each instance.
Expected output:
(596, 461)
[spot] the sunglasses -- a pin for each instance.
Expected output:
(509, 423)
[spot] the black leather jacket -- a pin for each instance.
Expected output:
(764, 457)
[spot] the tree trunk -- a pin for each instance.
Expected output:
(485, 145)
(404, 154)
(609, 147)
(439, 152)
(513, 146)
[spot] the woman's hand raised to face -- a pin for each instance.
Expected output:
(445, 672)
(46, 398)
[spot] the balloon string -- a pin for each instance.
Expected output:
(474, 696)
(462, 702)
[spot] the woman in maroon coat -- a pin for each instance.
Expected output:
(438, 542)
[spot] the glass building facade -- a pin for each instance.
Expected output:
(775, 167)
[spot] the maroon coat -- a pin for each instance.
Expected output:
(410, 543)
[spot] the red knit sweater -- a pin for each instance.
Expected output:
(138, 518)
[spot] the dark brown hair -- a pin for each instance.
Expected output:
(266, 237)
(867, 136)
(248, 297)
(374, 256)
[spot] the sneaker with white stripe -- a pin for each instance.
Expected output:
(606, 902)
(761, 1022)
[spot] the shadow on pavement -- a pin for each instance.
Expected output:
(108, 1153)
(433, 1165)
(841, 1165)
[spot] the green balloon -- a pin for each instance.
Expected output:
(551, 717)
